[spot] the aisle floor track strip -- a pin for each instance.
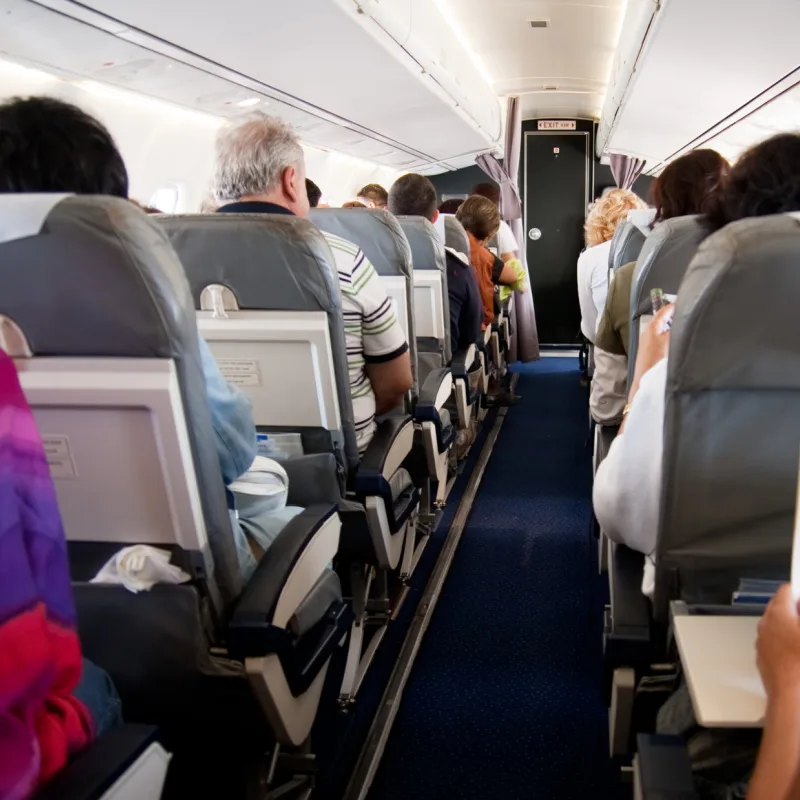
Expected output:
(381, 727)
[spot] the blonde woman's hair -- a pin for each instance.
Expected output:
(607, 213)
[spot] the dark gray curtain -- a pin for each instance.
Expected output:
(626, 170)
(525, 341)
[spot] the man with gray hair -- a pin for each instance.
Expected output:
(261, 169)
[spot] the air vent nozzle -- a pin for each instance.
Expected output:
(539, 23)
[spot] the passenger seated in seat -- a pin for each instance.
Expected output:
(481, 219)
(687, 186)
(606, 214)
(261, 169)
(53, 703)
(507, 246)
(353, 204)
(47, 145)
(627, 486)
(415, 195)
(450, 206)
(373, 195)
(314, 193)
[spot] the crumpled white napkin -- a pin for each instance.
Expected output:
(139, 568)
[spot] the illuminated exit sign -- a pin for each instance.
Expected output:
(556, 125)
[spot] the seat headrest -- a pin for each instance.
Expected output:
(235, 249)
(665, 257)
(731, 430)
(455, 236)
(375, 231)
(625, 245)
(91, 276)
(94, 277)
(427, 249)
(736, 307)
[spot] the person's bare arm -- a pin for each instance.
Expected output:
(777, 773)
(504, 257)
(390, 381)
(508, 275)
(653, 346)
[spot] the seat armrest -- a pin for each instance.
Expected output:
(95, 770)
(462, 360)
(313, 479)
(391, 444)
(437, 388)
(259, 622)
(663, 769)
(630, 609)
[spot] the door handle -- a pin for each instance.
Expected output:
(534, 234)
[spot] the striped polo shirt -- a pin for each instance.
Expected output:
(373, 333)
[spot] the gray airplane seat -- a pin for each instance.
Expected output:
(662, 263)
(96, 310)
(626, 245)
(731, 431)
(731, 444)
(432, 313)
(379, 236)
(455, 236)
(269, 306)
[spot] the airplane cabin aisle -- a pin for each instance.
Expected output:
(505, 696)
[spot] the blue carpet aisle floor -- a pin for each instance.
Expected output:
(505, 698)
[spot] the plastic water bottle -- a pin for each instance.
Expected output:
(269, 449)
(657, 300)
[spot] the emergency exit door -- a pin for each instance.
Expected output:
(557, 170)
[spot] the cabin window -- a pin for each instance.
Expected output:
(166, 198)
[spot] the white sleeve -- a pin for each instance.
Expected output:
(506, 243)
(627, 486)
(599, 287)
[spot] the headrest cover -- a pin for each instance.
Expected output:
(642, 218)
(732, 431)
(455, 236)
(375, 231)
(99, 279)
(625, 245)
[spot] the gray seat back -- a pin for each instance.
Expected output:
(281, 335)
(732, 427)
(431, 303)
(455, 236)
(107, 351)
(662, 263)
(383, 242)
(626, 245)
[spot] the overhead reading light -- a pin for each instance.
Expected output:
(249, 102)
(539, 23)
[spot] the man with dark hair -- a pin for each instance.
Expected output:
(50, 146)
(415, 195)
(314, 193)
(450, 206)
(507, 246)
(373, 195)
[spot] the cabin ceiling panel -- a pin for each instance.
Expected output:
(573, 54)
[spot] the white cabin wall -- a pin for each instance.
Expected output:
(164, 144)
